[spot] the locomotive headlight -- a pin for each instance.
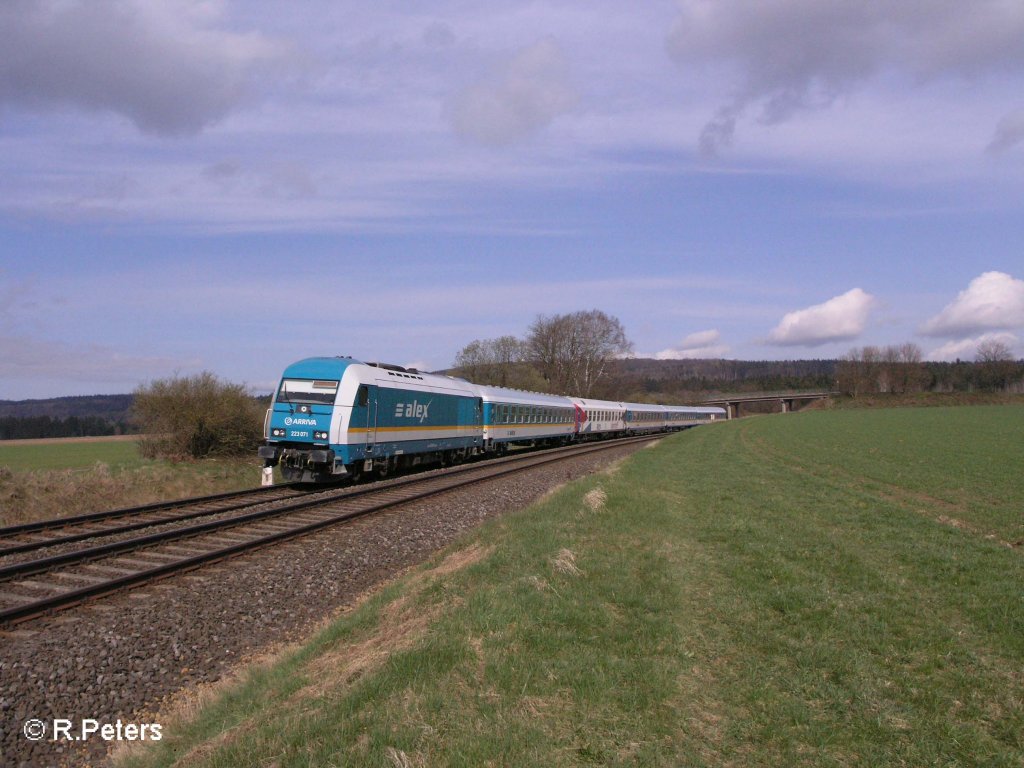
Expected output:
(277, 432)
(319, 435)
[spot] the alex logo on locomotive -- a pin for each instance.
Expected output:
(413, 410)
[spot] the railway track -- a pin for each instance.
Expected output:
(43, 534)
(40, 586)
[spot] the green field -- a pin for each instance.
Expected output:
(68, 454)
(829, 588)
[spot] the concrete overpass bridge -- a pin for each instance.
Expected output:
(788, 401)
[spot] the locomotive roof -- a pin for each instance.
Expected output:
(319, 368)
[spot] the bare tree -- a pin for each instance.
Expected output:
(897, 368)
(913, 374)
(888, 369)
(995, 358)
(900, 369)
(501, 362)
(572, 351)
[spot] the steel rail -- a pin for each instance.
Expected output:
(433, 485)
(29, 546)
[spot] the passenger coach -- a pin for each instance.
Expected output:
(512, 417)
(599, 418)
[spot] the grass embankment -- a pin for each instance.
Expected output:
(60, 478)
(810, 589)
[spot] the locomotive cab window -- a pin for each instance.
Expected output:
(312, 392)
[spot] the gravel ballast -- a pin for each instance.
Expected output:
(123, 656)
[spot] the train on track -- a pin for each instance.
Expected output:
(335, 418)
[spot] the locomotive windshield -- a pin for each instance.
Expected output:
(307, 391)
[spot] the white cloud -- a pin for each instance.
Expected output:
(164, 65)
(992, 301)
(838, 319)
(794, 55)
(700, 345)
(967, 349)
(526, 95)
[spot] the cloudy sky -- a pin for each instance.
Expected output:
(230, 186)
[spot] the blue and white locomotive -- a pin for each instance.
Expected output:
(334, 418)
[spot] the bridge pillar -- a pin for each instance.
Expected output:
(733, 410)
(787, 406)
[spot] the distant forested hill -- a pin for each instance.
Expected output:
(87, 416)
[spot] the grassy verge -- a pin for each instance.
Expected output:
(743, 594)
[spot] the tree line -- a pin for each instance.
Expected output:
(900, 369)
(35, 427)
(586, 354)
